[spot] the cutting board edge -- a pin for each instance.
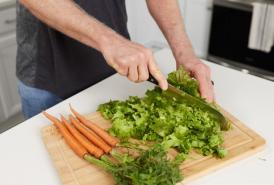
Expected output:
(261, 145)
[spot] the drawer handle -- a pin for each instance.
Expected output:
(10, 21)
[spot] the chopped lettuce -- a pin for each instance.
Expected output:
(182, 80)
(156, 117)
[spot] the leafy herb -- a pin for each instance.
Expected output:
(151, 168)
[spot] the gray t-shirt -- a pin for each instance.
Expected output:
(49, 60)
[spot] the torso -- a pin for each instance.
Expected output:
(49, 60)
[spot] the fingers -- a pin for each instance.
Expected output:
(206, 87)
(122, 70)
(143, 72)
(156, 73)
(133, 73)
(134, 61)
(138, 67)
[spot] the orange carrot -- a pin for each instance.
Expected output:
(97, 152)
(98, 130)
(71, 141)
(90, 134)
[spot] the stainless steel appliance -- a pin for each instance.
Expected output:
(230, 27)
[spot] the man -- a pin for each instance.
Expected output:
(66, 46)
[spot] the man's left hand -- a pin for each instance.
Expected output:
(202, 73)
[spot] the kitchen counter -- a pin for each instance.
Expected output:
(24, 159)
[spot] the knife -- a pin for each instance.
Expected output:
(183, 97)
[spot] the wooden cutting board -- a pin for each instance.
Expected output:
(240, 142)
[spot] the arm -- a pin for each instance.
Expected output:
(167, 15)
(127, 58)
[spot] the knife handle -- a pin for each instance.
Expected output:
(152, 80)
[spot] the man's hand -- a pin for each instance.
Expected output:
(132, 60)
(168, 17)
(127, 58)
(202, 73)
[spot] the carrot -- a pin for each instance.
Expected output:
(98, 130)
(97, 152)
(70, 140)
(90, 134)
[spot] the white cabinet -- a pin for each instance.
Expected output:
(197, 22)
(9, 98)
(8, 88)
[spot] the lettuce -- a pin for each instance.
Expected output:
(156, 117)
(182, 80)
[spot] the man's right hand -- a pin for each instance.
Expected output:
(127, 58)
(132, 60)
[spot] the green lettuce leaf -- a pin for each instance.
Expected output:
(156, 117)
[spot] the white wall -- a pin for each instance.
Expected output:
(196, 14)
(197, 21)
(142, 27)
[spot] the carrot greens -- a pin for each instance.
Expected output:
(152, 167)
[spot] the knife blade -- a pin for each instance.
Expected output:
(183, 97)
(169, 88)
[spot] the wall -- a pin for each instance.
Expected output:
(196, 13)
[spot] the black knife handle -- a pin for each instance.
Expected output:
(152, 79)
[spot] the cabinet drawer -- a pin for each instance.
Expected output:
(7, 19)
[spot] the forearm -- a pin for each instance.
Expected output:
(168, 17)
(127, 58)
(66, 17)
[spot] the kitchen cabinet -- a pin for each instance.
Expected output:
(9, 98)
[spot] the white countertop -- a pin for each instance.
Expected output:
(24, 159)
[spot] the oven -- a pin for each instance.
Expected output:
(229, 35)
